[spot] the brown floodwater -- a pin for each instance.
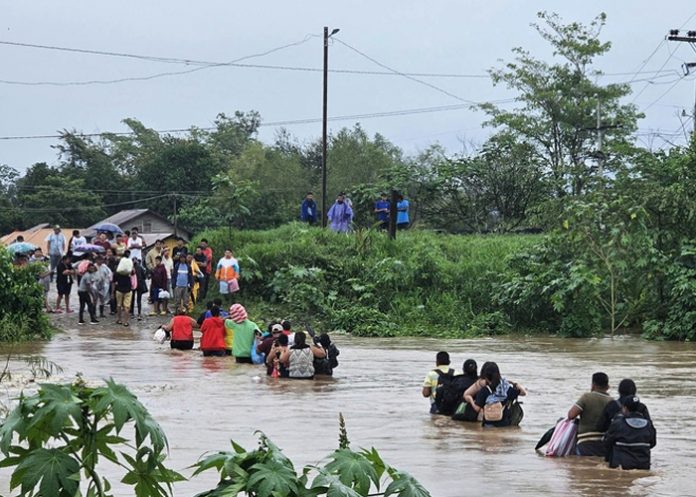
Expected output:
(202, 403)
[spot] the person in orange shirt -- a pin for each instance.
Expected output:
(227, 273)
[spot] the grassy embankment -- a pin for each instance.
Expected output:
(423, 283)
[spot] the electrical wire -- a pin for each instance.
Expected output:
(201, 64)
(666, 92)
(404, 112)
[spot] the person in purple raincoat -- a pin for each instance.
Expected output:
(340, 215)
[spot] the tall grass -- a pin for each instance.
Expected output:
(422, 283)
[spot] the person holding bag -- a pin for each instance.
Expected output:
(497, 397)
(227, 274)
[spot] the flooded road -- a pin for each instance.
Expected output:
(203, 402)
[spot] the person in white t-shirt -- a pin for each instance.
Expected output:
(75, 241)
(136, 244)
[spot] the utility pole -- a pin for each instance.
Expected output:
(324, 120)
(176, 234)
(600, 154)
(690, 38)
(393, 213)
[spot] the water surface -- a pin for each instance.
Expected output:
(202, 403)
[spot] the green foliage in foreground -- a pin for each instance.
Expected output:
(21, 302)
(423, 283)
(267, 472)
(57, 438)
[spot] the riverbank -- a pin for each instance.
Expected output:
(421, 284)
(203, 402)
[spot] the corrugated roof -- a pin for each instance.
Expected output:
(36, 237)
(120, 217)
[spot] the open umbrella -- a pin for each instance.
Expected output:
(21, 248)
(109, 228)
(88, 248)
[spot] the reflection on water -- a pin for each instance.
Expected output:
(204, 402)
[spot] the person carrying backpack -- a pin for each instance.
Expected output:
(630, 437)
(326, 365)
(439, 383)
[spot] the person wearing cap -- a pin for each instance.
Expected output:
(56, 248)
(340, 215)
(265, 346)
(630, 437)
(382, 211)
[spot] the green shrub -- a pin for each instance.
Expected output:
(22, 302)
(422, 283)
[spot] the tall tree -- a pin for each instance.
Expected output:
(559, 104)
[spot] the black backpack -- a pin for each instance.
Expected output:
(449, 392)
(333, 353)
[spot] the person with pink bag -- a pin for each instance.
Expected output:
(227, 274)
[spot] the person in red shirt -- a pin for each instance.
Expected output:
(102, 241)
(207, 269)
(181, 327)
(213, 334)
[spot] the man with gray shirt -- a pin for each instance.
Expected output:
(86, 290)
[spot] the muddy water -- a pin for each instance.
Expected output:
(204, 402)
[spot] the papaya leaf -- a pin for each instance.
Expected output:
(57, 405)
(333, 486)
(51, 469)
(270, 478)
(353, 469)
(405, 485)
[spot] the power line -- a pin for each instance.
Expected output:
(81, 208)
(372, 115)
(202, 65)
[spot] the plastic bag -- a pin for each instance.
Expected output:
(256, 358)
(160, 335)
(563, 440)
(125, 266)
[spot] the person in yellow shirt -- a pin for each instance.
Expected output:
(432, 379)
(197, 273)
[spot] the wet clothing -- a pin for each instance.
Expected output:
(629, 440)
(181, 344)
(614, 408)
(432, 379)
(213, 335)
(243, 334)
(592, 405)
(504, 393)
(301, 363)
(182, 328)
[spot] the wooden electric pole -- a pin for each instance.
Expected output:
(324, 119)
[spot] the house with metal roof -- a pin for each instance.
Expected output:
(147, 221)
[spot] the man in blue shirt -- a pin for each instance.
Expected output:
(182, 282)
(382, 211)
(56, 248)
(308, 210)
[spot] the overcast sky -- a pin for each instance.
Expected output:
(460, 37)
